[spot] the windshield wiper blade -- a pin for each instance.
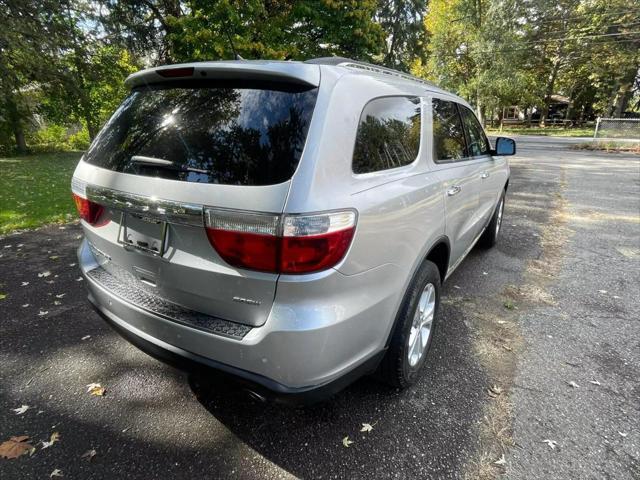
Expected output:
(168, 164)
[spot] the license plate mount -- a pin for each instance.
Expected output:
(142, 233)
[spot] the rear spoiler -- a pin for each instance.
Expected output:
(291, 72)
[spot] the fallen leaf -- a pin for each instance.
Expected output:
(86, 337)
(44, 274)
(573, 384)
(485, 273)
(21, 410)
(79, 279)
(24, 284)
(54, 257)
(602, 291)
(96, 389)
(56, 473)
(456, 287)
(89, 454)
(60, 295)
(507, 348)
(366, 427)
(494, 391)
(56, 302)
(55, 437)
(3, 296)
(42, 313)
(15, 447)
(72, 264)
(25, 305)
(552, 443)
(501, 461)
(346, 442)
(595, 382)
(622, 434)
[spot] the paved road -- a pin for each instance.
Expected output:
(556, 302)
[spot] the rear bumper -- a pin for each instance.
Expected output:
(308, 348)
(261, 387)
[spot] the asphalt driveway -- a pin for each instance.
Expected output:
(537, 359)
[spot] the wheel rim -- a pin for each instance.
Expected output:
(422, 325)
(499, 220)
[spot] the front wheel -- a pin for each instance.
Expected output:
(490, 236)
(411, 339)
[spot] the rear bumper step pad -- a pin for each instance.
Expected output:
(130, 293)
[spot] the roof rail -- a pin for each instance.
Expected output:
(349, 63)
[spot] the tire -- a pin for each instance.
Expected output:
(397, 368)
(490, 236)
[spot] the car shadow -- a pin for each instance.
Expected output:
(425, 430)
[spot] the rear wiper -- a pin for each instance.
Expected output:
(162, 163)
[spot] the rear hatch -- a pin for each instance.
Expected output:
(176, 145)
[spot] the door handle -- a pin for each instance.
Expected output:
(484, 175)
(454, 190)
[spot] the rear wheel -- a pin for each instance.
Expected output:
(413, 334)
(490, 236)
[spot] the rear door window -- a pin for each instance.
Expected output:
(477, 143)
(388, 134)
(449, 144)
(214, 132)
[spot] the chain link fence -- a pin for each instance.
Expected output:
(628, 128)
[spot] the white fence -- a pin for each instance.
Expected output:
(628, 128)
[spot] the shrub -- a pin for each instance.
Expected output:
(79, 140)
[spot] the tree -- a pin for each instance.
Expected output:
(276, 29)
(403, 22)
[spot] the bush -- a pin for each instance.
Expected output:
(79, 140)
(57, 138)
(49, 139)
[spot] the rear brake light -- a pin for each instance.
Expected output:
(280, 244)
(89, 211)
(175, 72)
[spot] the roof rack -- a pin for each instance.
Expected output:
(349, 63)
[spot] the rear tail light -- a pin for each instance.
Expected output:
(88, 211)
(288, 244)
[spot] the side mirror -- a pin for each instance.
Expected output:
(504, 146)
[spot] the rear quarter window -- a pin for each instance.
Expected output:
(449, 143)
(388, 134)
(235, 133)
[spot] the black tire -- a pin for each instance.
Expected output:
(490, 236)
(395, 368)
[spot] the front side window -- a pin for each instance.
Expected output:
(388, 134)
(227, 132)
(449, 144)
(477, 142)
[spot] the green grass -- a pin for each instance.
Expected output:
(36, 190)
(609, 146)
(544, 131)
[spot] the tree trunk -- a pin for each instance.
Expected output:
(21, 143)
(549, 92)
(91, 128)
(624, 93)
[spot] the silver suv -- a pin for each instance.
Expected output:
(286, 223)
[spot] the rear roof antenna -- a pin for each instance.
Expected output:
(236, 55)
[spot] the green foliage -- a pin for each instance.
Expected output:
(498, 53)
(51, 138)
(278, 29)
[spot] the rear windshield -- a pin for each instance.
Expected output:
(240, 134)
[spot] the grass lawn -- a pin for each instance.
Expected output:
(546, 131)
(36, 189)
